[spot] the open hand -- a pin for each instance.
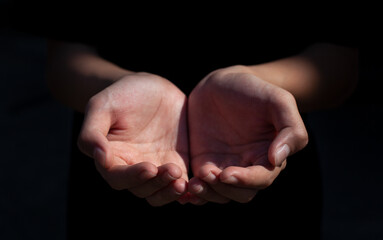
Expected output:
(241, 131)
(136, 131)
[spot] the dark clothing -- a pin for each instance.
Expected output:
(290, 207)
(184, 45)
(184, 54)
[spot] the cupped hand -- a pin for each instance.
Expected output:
(242, 129)
(136, 131)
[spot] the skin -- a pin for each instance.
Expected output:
(239, 125)
(243, 121)
(136, 131)
(265, 97)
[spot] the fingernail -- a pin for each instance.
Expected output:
(282, 153)
(180, 190)
(99, 155)
(230, 180)
(197, 188)
(167, 177)
(146, 175)
(210, 178)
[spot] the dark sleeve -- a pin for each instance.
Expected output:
(363, 36)
(367, 91)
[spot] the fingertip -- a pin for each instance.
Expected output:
(90, 139)
(204, 192)
(196, 186)
(281, 154)
(100, 156)
(172, 171)
(146, 175)
(230, 180)
(211, 178)
(172, 192)
(180, 186)
(288, 141)
(209, 174)
(144, 170)
(104, 157)
(229, 175)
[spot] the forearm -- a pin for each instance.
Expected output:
(323, 76)
(75, 73)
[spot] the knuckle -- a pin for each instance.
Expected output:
(302, 137)
(215, 76)
(287, 96)
(94, 102)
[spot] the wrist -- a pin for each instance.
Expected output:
(295, 75)
(269, 74)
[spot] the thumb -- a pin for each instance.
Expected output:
(287, 142)
(92, 140)
(291, 131)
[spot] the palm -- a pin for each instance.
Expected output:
(139, 123)
(233, 125)
(148, 126)
(241, 131)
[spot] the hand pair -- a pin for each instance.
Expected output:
(235, 129)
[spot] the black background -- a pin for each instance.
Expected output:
(36, 134)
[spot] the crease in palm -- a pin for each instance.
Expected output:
(227, 123)
(233, 140)
(148, 130)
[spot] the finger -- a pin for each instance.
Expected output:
(253, 177)
(288, 141)
(191, 198)
(121, 177)
(92, 138)
(210, 173)
(241, 195)
(291, 133)
(166, 174)
(195, 200)
(184, 198)
(170, 193)
(203, 191)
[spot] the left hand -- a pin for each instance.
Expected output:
(136, 131)
(242, 129)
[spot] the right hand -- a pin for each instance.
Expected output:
(136, 131)
(242, 129)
